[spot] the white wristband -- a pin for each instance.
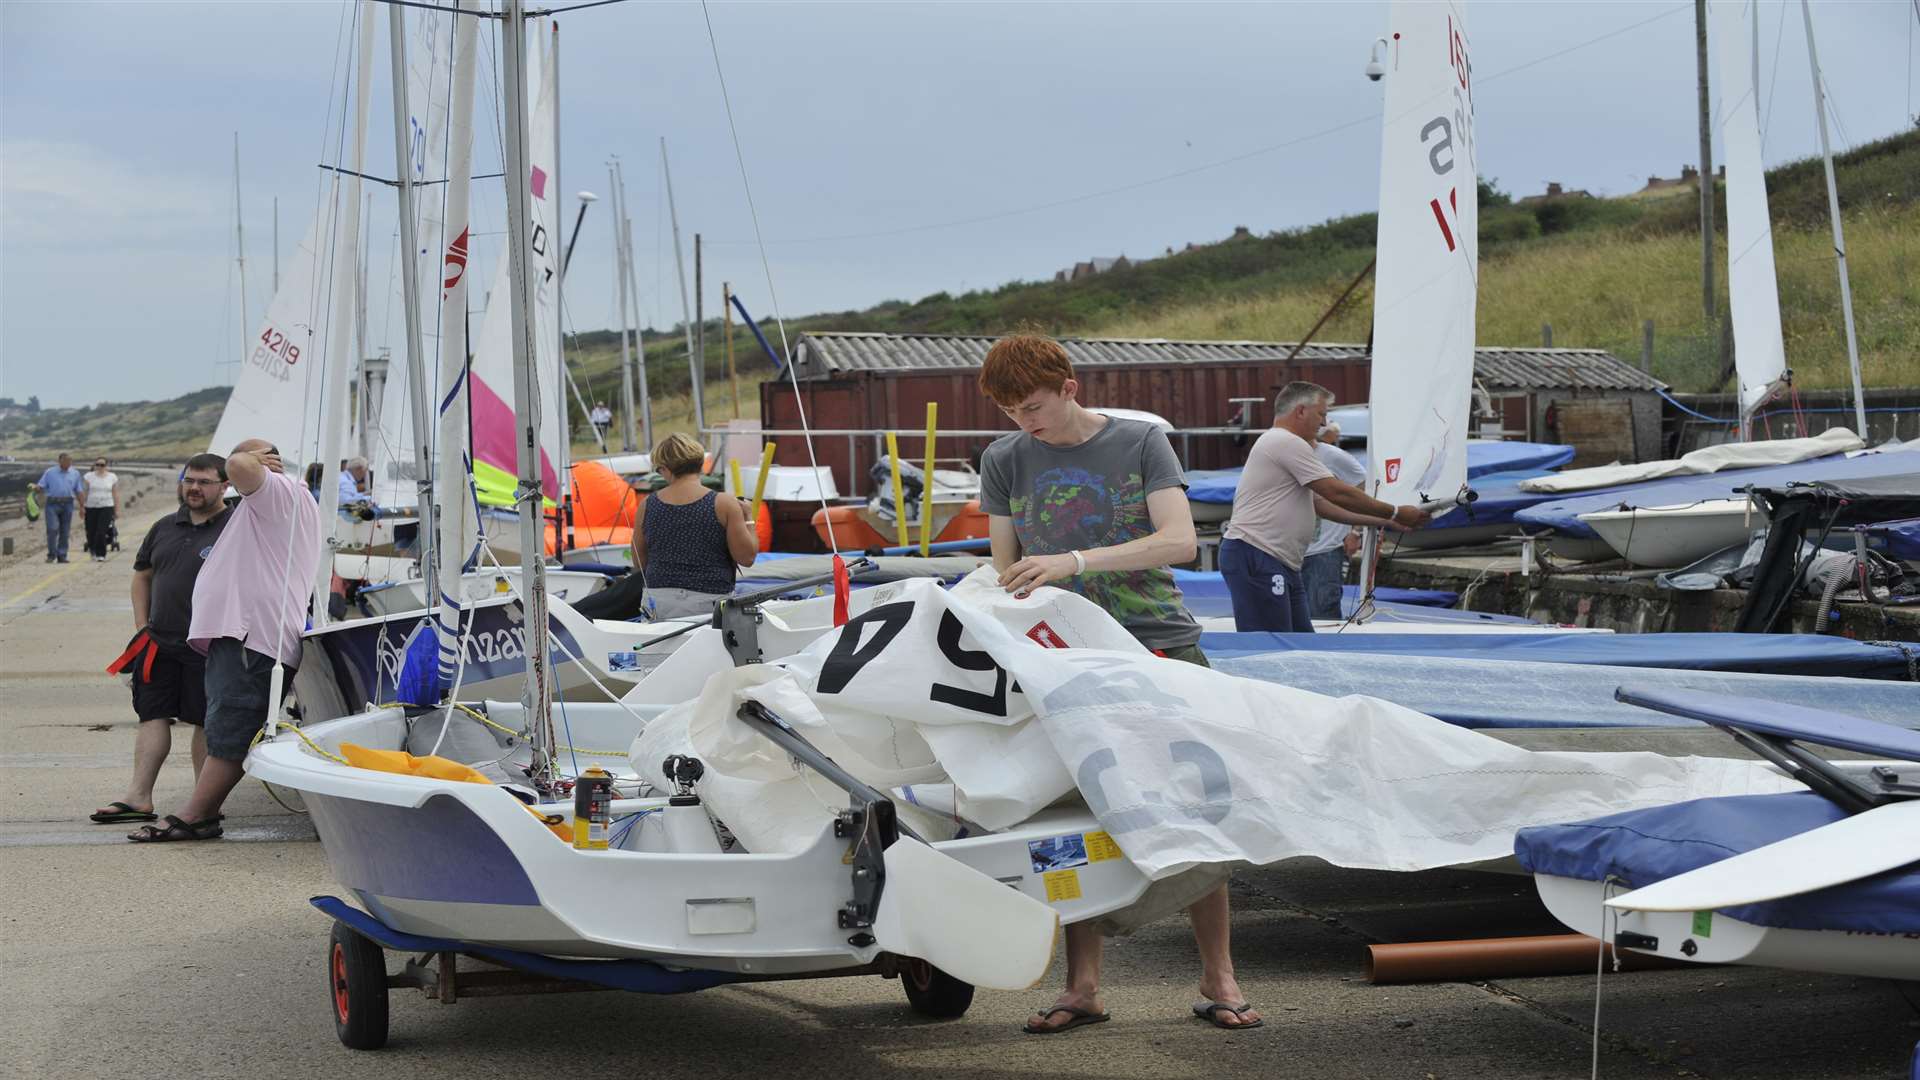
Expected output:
(1079, 563)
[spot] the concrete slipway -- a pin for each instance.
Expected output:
(204, 960)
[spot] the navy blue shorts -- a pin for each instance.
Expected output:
(1267, 594)
(239, 681)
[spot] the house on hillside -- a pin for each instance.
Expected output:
(1689, 177)
(1554, 191)
(1091, 267)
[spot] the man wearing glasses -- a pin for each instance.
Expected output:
(169, 677)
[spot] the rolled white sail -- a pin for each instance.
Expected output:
(1427, 269)
(453, 482)
(429, 82)
(1760, 355)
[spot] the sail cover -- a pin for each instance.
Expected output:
(1425, 277)
(491, 384)
(1017, 703)
(1759, 354)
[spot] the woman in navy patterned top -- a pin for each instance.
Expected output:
(688, 541)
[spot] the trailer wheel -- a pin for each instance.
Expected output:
(357, 989)
(932, 992)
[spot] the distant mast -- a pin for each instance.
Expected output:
(1839, 235)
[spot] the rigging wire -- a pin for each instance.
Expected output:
(1182, 173)
(773, 296)
(1773, 78)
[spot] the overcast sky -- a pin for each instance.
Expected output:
(895, 149)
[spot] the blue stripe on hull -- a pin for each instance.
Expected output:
(439, 851)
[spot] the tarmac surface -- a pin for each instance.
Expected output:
(205, 960)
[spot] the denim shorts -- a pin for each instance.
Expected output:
(1267, 593)
(239, 681)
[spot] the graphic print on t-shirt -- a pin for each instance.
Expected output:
(1072, 509)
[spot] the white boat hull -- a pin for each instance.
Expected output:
(1727, 940)
(1669, 536)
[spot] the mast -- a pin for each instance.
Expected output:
(338, 371)
(620, 276)
(686, 313)
(240, 252)
(623, 244)
(1839, 235)
(452, 513)
(537, 695)
(410, 294)
(563, 511)
(276, 243)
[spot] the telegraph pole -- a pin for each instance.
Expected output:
(1706, 162)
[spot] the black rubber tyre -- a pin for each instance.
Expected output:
(357, 989)
(934, 993)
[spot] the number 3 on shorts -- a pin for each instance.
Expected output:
(1279, 585)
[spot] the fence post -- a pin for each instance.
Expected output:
(1546, 335)
(1646, 347)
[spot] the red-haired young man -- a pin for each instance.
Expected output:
(1097, 505)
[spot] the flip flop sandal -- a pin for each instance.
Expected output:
(177, 830)
(1210, 1012)
(119, 813)
(1075, 1018)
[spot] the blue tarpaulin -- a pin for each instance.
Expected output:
(1483, 459)
(1527, 694)
(1562, 513)
(1900, 539)
(1207, 589)
(1777, 654)
(1645, 846)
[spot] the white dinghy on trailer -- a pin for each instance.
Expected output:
(1826, 880)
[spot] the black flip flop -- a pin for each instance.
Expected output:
(1076, 1017)
(1210, 1012)
(178, 830)
(120, 816)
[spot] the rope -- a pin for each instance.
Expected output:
(773, 296)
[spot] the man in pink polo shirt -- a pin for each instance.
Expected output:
(249, 608)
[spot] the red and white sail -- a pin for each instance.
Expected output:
(1427, 270)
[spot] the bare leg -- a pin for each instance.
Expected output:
(218, 778)
(150, 748)
(1082, 991)
(199, 751)
(1212, 926)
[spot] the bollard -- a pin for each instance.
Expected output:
(6, 545)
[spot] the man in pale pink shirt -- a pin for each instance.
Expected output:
(1284, 492)
(249, 609)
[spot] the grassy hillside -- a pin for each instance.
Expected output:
(1593, 268)
(141, 430)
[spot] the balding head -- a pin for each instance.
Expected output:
(252, 446)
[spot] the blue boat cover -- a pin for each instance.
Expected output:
(1562, 513)
(1822, 726)
(1645, 846)
(1776, 654)
(1483, 459)
(639, 976)
(1529, 694)
(1206, 588)
(1901, 539)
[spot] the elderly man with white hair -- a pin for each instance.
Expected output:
(1323, 570)
(352, 475)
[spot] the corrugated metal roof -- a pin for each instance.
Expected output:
(825, 354)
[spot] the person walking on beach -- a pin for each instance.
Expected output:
(102, 506)
(58, 489)
(1323, 569)
(169, 677)
(1097, 505)
(1283, 493)
(688, 542)
(249, 607)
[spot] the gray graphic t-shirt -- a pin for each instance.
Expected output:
(1063, 499)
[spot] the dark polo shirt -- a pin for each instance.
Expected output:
(174, 550)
